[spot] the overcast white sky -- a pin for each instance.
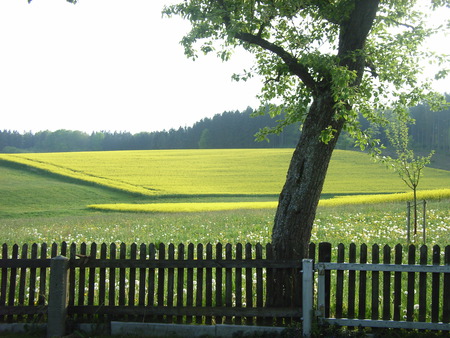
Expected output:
(112, 65)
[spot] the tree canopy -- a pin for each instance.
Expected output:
(302, 47)
(323, 63)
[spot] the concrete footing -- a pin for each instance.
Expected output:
(151, 329)
(182, 330)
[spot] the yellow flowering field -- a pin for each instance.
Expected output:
(437, 194)
(218, 172)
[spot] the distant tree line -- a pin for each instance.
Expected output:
(227, 130)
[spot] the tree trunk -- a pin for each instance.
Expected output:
(309, 164)
(415, 208)
(301, 193)
(300, 196)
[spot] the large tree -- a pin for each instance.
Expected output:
(323, 63)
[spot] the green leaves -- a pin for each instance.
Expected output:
(327, 134)
(295, 44)
(408, 166)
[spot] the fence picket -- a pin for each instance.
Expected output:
(228, 282)
(312, 251)
(446, 289)
(209, 282)
(32, 284)
(63, 251)
(81, 275)
(151, 276)
(199, 294)
(238, 282)
(423, 284)
(375, 283)
(180, 282)
(170, 276)
(340, 281)
(259, 284)
(160, 293)
(43, 277)
(54, 250)
(325, 256)
(132, 277)
(270, 287)
(112, 279)
(112, 276)
(92, 275)
(435, 286)
(248, 282)
(410, 287)
(397, 283)
(362, 294)
(12, 281)
(22, 280)
(4, 279)
(72, 286)
(351, 282)
(219, 280)
(142, 275)
(102, 280)
(386, 284)
(190, 282)
(122, 275)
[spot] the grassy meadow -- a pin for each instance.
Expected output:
(223, 172)
(45, 198)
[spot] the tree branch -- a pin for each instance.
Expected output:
(398, 23)
(294, 66)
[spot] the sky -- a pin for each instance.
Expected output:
(113, 65)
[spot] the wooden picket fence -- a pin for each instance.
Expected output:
(156, 283)
(214, 284)
(391, 288)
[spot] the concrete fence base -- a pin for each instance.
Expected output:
(184, 330)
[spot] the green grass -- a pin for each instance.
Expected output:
(371, 224)
(217, 172)
(188, 177)
(37, 207)
(41, 207)
(29, 194)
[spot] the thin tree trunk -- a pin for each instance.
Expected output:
(415, 209)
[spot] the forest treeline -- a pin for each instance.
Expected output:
(226, 130)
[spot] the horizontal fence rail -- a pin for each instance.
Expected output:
(229, 284)
(209, 284)
(410, 294)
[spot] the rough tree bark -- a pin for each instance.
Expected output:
(307, 171)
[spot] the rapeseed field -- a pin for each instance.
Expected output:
(236, 173)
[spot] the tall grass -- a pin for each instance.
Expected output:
(371, 224)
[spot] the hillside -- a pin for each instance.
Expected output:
(67, 182)
(216, 172)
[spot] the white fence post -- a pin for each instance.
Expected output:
(58, 297)
(307, 292)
